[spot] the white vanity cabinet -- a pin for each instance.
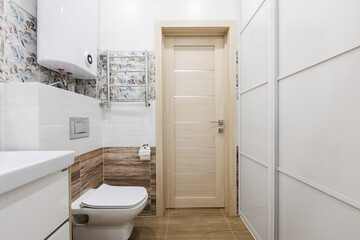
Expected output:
(38, 209)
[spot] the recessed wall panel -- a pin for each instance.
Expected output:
(305, 213)
(254, 51)
(319, 116)
(255, 195)
(254, 124)
(312, 31)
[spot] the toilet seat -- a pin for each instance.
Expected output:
(114, 197)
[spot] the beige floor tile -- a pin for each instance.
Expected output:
(237, 224)
(190, 224)
(207, 238)
(149, 228)
(243, 236)
(198, 227)
(197, 212)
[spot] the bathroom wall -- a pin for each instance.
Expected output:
(129, 26)
(116, 167)
(28, 5)
(36, 117)
(18, 46)
(313, 64)
(123, 167)
(87, 172)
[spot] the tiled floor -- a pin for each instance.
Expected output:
(191, 224)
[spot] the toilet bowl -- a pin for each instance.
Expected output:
(107, 213)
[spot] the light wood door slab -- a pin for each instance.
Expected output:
(194, 154)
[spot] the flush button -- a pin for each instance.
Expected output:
(79, 127)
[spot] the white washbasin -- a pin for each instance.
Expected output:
(20, 168)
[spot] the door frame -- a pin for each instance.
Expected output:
(198, 28)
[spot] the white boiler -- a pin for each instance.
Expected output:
(67, 36)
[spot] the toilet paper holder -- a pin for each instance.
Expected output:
(145, 152)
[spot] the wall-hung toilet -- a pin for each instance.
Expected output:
(107, 213)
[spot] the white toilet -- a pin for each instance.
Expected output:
(107, 213)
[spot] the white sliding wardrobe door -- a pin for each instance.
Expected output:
(254, 74)
(319, 116)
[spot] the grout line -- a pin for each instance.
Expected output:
(167, 225)
(227, 222)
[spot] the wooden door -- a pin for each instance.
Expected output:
(194, 91)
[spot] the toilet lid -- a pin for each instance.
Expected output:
(115, 197)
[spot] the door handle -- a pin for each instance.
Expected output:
(220, 122)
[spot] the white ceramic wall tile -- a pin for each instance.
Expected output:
(129, 125)
(254, 196)
(320, 114)
(36, 117)
(306, 213)
(312, 31)
(134, 113)
(56, 106)
(247, 10)
(20, 116)
(254, 50)
(129, 24)
(254, 124)
(56, 137)
(129, 135)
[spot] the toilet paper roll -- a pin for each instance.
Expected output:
(145, 152)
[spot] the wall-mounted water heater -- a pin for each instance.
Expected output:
(67, 36)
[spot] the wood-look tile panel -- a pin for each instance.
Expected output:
(91, 173)
(75, 181)
(119, 167)
(123, 167)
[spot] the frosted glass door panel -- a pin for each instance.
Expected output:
(311, 31)
(254, 51)
(320, 115)
(254, 124)
(255, 195)
(307, 214)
